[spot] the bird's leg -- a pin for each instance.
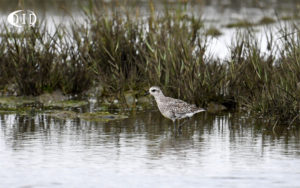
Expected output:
(179, 124)
(174, 122)
(182, 123)
(178, 129)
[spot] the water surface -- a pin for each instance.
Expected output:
(145, 151)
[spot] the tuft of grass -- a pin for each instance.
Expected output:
(28, 59)
(290, 17)
(266, 20)
(39, 62)
(245, 23)
(240, 24)
(266, 86)
(214, 32)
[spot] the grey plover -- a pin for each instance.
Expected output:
(171, 108)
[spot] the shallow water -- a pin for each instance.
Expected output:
(145, 151)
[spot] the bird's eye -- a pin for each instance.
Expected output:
(153, 90)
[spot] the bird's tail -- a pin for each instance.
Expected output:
(201, 110)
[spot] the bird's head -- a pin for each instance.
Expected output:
(155, 91)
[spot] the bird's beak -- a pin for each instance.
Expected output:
(146, 93)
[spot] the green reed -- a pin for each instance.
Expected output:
(124, 52)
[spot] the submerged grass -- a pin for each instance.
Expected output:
(213, 31)
(170, 50)
(246, 24)
(239, 24)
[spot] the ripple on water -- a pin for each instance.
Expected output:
(145, 151)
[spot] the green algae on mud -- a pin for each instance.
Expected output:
(31, 105)
(101, 116)
(15, 103)
(88, 116)
(59, 100)
(67, 104)
(63, 114)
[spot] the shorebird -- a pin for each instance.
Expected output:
(171, 108)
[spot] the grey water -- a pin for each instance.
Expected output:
(226, 150)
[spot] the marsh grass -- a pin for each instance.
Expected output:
(37, 61)
(123, 52)
(28, 60)
(265, 85)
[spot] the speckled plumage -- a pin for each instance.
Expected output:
(173, 108)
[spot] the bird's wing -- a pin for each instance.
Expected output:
(180, 107)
